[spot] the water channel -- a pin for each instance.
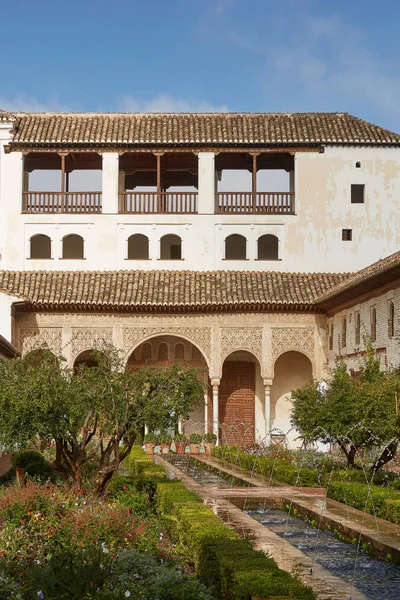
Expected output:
(377, 579)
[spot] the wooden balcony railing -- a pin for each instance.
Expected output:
(263, 203)
(58, 202)
(152, 202)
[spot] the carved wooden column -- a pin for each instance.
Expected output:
(267, 410)
(215, 387)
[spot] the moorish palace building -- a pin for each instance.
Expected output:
(255, 246)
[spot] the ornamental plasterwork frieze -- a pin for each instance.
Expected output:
(33, 338)
(84, 338)
(286, 339)
(200, 336)
(241, 338)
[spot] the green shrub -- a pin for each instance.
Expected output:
(392, 511)
(35, 465)
(195, 438)
(369, 498)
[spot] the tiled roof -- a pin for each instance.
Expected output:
(275, 129)
(368, 279)
(168, 290)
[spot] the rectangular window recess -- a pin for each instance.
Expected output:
(357, 193)
(347, 235)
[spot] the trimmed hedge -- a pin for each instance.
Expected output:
(275, 468)
(373, 499)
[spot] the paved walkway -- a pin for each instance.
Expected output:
(326, 585)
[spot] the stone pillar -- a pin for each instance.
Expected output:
(121, 181)
(205, 413)
(206, 183)
(267, 410)
(215, 387)
(291, 181)
(110, 183)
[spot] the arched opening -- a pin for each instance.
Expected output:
(40, 246)
(235, 247)
(292, 370)
(268, 247)
(240, 399)
(138, 247)
(166, 349)
(86, 358)
(170, 247)
(72, 247)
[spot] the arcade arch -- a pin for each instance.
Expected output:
(292, 370)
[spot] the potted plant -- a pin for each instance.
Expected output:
(209, 442)
(180, 443)
(195, 441)
(150, 440)
(165, 441)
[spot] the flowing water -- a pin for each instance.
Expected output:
(377, 579)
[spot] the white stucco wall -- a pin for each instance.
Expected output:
(310, 240)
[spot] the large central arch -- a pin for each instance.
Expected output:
(164, 349)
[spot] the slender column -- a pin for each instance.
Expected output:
(158, 156)
(205, 413)
(254, 182)
(206, 182)
(67, 181)
(25, 187)
(267, 410)
(63, 182)
(215, 387)
(110, 182)
(180, 426)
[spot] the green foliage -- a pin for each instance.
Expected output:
(165, 438)
(195, 438)
(210, 438)
(150, 438)
(369, 498)
(355, 413)
(35, 465)
(93, 415)
(180, 438)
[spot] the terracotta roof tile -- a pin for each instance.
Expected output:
(174, 290)
(123, 129)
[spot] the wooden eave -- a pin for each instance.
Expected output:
(361, 290)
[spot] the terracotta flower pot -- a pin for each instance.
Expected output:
(180, 447)
(20, 476)
(194, 448)
(164, 448)
(149, 448)
(208, 446)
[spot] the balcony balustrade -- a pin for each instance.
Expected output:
(158, 203)
(260, 203)
(61, 202)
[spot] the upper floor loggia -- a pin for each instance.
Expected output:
(158, 182)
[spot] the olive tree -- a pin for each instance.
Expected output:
(94, 414)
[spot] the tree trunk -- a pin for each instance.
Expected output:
(350, 454)
(389, 452)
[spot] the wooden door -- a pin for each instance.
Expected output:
(236, 403)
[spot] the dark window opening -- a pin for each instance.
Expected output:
(373, 324)
(358, 328)
(357, 193)
(391, 320)
(72, 247)
(40, 246)
(138, 247)
(171, 247)
(235, 247)
(358, 165)
(268, 247)
(347, 235)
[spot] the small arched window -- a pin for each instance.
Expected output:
(138, 247)
(179, 352)
(344, 332)
(40, 246)
(146, 352)
(358, 165)
(390, 319)
(267, 247)
(235, 247)
(72, 246)
(171, 247)
(163, 351)
(358, 328)
(330, 336)
(373, 324)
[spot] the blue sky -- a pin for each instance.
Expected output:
(195, 55)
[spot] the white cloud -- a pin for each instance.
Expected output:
(26, 103)
(166, 103)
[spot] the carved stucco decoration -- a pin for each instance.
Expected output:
(241, 338)
(33, 338)
(298, 339)
(200, 336)
(84, 338)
